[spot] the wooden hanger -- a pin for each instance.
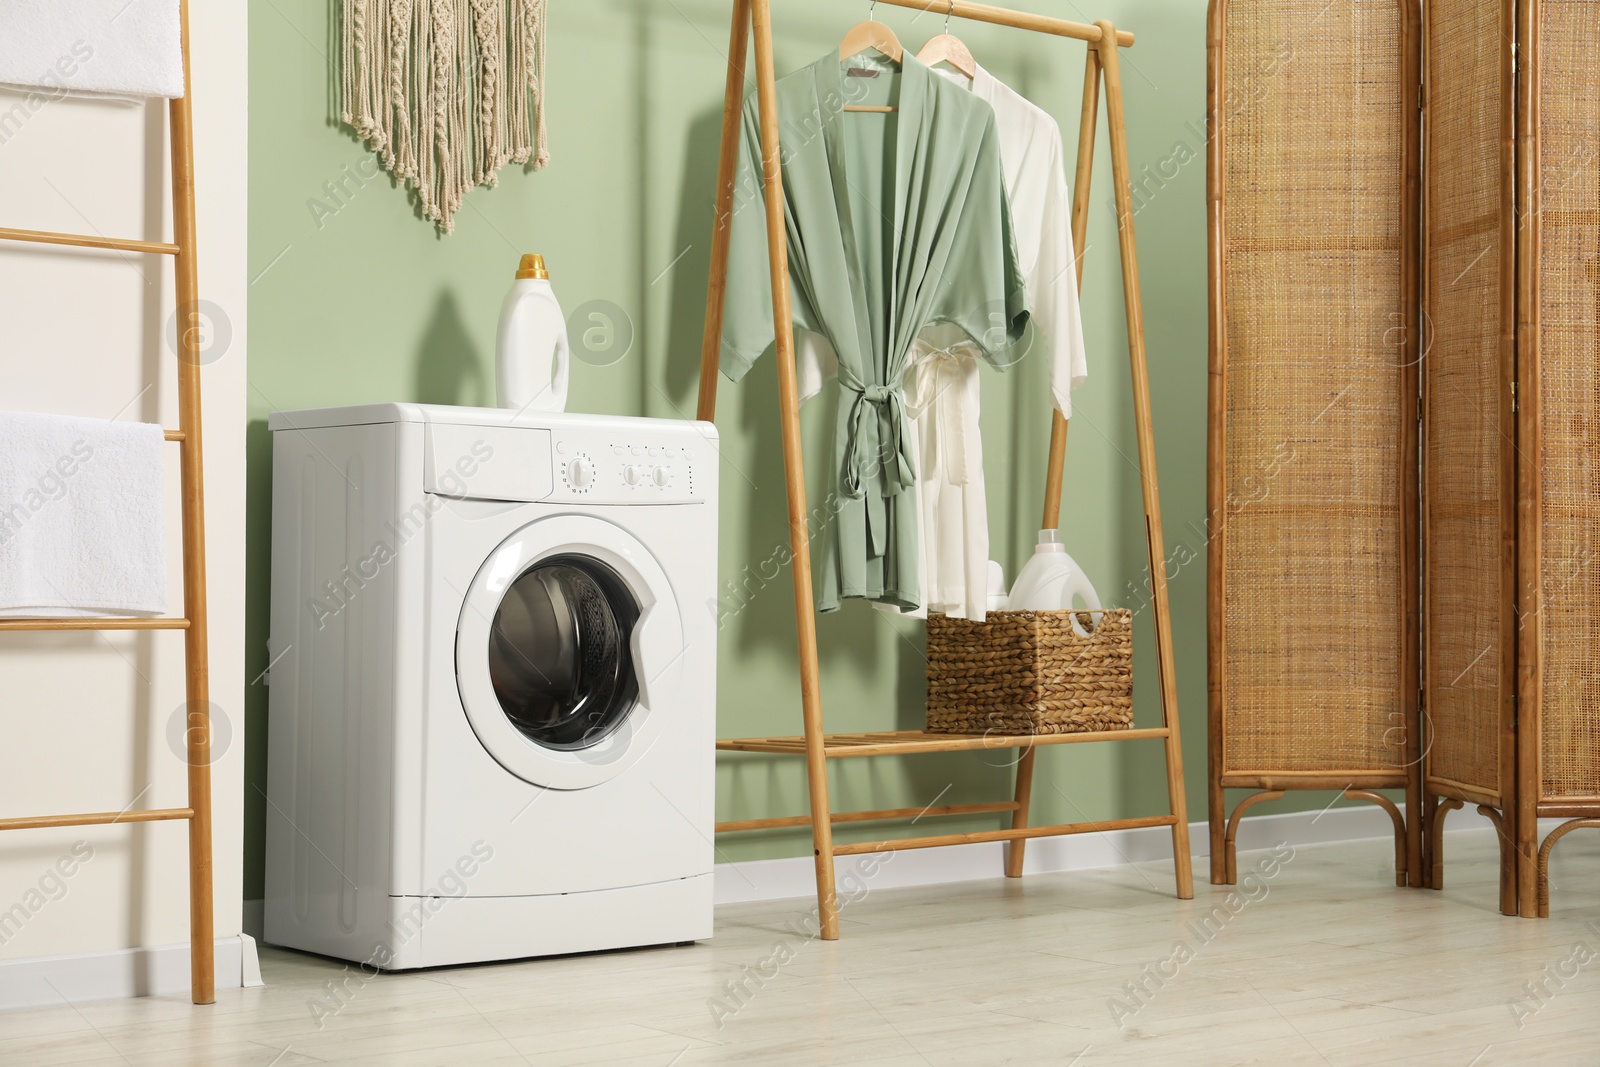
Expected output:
(946, 48)
(875, 36)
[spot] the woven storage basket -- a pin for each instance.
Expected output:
(1030, 672)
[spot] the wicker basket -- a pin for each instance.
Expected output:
(1030, 672)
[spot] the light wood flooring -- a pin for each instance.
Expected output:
(1322, 962)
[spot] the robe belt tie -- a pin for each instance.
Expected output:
(938, 384)
(878, 442)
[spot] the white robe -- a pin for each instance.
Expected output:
(941, 382)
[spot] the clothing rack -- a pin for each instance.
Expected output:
(1102, 67)
(182, 249)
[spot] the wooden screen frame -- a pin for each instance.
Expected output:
(1521, 799)
(1532, 801)
(1442, 795)
(1358, 783)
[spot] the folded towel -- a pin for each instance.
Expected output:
(127, 47)
(82, 525)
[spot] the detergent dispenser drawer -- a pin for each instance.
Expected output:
(488, 463)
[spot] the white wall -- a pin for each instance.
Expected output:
(84, 719)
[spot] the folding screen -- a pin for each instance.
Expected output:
(1558, 429)
(1312, 488)
(1469, 466)
(1317, 359)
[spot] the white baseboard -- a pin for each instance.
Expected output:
(755, 880)
(782, 879)
(157, 970)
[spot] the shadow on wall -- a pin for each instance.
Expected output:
(691, 274)
(450, 369)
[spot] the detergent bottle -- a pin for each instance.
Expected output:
(1052, 581)
(531, 350)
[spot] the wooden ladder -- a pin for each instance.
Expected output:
(182, 249)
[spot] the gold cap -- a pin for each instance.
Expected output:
(532, 266)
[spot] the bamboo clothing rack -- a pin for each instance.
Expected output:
(197, 813)
(754, 18)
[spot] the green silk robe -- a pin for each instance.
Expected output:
(894, 221)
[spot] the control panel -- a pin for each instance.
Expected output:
(601, 468)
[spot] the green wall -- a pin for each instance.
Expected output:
(354, 299)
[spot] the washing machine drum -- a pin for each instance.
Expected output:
(559, 655)
(569, 652)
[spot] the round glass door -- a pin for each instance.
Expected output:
(568, 649)
(560, 652)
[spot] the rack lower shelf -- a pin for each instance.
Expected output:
(905, 742)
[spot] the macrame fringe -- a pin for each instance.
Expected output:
(437, 89)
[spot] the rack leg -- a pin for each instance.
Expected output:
(1087, 118)
(1111, 66)
(198, 687)
(721, 225)
(794, 476)
(1019, 818)
(1080, 226)
(1056, 469)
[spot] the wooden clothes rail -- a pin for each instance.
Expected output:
(1103, 66)
(182, 249)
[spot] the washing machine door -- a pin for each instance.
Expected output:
(567, 652)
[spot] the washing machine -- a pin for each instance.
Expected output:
(492, 683)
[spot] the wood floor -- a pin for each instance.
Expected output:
(1318, 959)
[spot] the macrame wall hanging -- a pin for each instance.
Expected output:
(446, 91)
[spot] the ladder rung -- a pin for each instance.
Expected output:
(83, 240)
(97, 818)
(177, 435)
(94, 623)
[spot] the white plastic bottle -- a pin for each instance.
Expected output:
(531, 350)
(1051, 580)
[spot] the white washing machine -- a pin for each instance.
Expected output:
(492, 712)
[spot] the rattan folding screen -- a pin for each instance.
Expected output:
(1558, 430)
(1470, 515)
(1312, 488)
(1335, 597)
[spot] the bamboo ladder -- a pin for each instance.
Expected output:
(193, 623)
(1103, 65)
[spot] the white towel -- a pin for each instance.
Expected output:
(82, 524)
(125, 47)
